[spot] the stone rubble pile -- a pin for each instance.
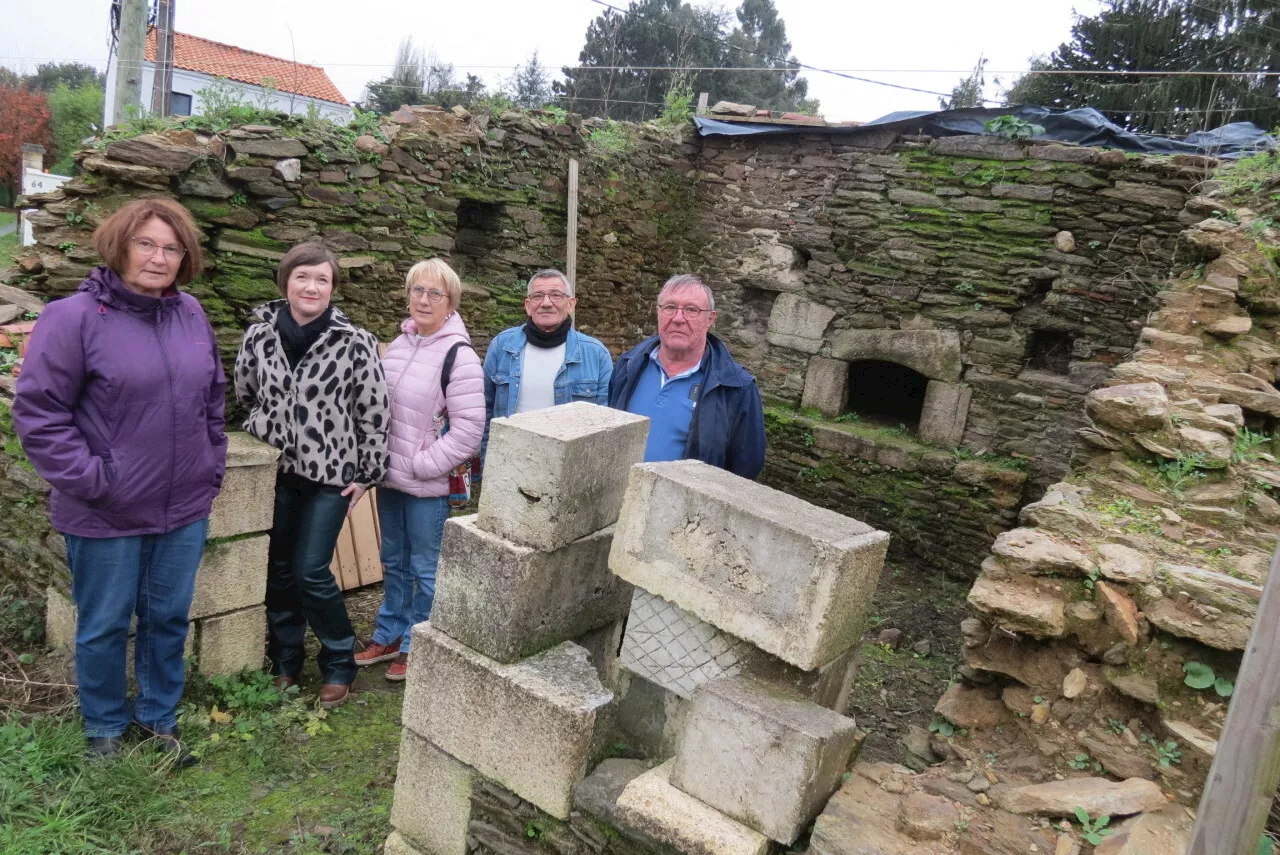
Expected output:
(1151, 558)
(228, 618)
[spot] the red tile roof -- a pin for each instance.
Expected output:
(208, 57)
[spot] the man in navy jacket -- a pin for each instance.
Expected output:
(701, 404)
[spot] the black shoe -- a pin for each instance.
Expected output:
(104, 746)
(166, 739)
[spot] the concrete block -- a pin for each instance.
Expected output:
(944, 413)
(603, 644)
(247, 499)
(793, 579)
(432, 803)
(652, 807)
(650, 718)
(508, 601)
(397, 845)
(232, 642)
(766, 761)
(533, 727)
(232, 575)
(555, 475)
(798, 323)
(59, 621)
(826, 385)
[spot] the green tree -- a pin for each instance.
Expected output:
(74, 74)
(673, 33)
(417, 77)
(77, 114)
(1170, 36)
(530, 87)
(969, 91)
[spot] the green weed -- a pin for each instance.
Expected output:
(1163, 753)
(1093, 830)
(1249, 445)
(1185, 470)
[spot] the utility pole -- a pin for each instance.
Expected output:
(162, 83)
(129, 45)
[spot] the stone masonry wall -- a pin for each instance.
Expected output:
(814, 240)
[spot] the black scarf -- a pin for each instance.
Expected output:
(547, 340)
(297, 339)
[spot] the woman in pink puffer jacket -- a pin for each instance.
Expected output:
(413, 501)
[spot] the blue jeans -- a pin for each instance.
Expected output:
(153, 575)
(412, 528)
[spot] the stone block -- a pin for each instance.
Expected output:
(508, 601)
(652, 807)
(933, 353)
(826, 385)
(603, 644)
(798, 323)
(793, 579)
(678, 651)
(532, 727)
(769, 762)
(396, 844)
(432, 803)
(232, 642)
(232, 575)
(553, 476)
(944, 413)
(60, 619)
(247, 500)
(650, 717)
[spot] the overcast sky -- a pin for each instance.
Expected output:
(355, 40)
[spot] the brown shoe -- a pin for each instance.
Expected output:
(373, 653)
(334, 695)
(284, 682)
(398, 669)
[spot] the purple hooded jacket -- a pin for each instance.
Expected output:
(120, 407)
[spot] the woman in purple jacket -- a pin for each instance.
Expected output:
(120, 408)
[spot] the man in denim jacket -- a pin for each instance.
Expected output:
(545, 361)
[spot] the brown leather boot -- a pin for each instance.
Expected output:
(334, 695)
(284, 682)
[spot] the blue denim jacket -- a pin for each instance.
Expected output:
(584, 376)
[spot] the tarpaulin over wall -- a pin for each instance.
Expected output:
(1085, 126)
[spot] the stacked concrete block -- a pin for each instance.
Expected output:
(748, 609)
(228, 620)
(510, 683)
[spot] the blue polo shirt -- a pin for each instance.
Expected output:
(669, 403)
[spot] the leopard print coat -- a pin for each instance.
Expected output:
(328, 416)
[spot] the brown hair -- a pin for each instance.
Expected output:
(111, 239)
(304, 255)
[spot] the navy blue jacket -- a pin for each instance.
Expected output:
(728, 422)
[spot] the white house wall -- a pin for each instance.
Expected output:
(191, 82)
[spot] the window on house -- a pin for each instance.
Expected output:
(886, 393)
(1050, 351)
(179, 104)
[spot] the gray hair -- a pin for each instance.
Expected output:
(688, 280)
(549, 273)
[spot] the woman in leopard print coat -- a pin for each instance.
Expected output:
(314, 388)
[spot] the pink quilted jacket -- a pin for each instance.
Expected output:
(420, 457)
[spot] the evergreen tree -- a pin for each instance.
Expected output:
(76, 114)
(673, 33)
(74, 74)
(530, 86)
(417, 77)
(1173, 36)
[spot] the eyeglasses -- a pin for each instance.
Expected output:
(148, 247)
(433, 296)
(668, 310)
(557, 297)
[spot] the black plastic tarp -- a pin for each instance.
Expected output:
(1084, 126)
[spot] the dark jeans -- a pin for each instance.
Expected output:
(301, 590)
(112, 579)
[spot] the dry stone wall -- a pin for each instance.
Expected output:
(947, 257)
(1109, 627)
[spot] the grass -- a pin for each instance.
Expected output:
(9, 242)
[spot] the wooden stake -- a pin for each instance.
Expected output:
(571, 231)
(162, 79)
(1246, 770)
